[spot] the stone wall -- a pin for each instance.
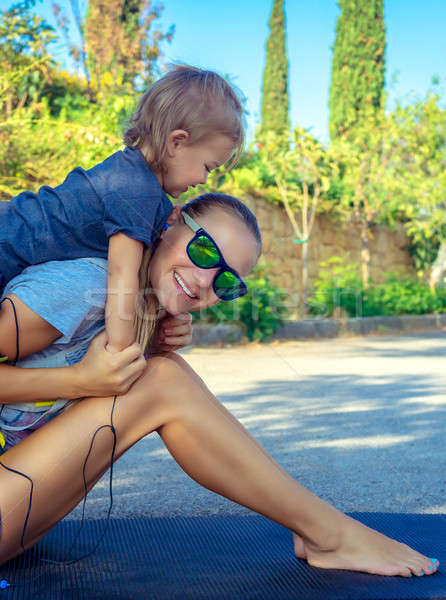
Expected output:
(388, 248)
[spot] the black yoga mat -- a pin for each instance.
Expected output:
(206, 558)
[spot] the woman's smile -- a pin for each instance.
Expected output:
(183, 288)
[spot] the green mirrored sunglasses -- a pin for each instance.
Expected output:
(204, 253)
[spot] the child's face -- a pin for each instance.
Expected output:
(188, 165)
(171, 265)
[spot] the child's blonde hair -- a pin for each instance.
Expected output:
(197, 101)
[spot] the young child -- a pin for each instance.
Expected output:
(187, 124)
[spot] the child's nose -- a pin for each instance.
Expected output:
(204, 178)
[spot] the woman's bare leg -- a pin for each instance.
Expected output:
(209, 445)
(298, 543)
(237, 467)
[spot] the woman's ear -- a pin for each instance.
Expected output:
(172, 219)
(176, 139)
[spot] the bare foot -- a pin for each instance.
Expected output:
(364, 549)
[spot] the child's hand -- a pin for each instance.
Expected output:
(101, 373)
(173, 332)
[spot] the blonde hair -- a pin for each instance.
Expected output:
(197, 101)
(147, 308)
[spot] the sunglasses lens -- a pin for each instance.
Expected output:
(203, 252)
(228, 286)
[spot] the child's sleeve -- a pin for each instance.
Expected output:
(132, 217)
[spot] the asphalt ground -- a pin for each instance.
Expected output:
(360, 422)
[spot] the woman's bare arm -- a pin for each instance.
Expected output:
(34, 332)
(99, 373)
(34, 385)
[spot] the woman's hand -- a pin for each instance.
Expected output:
(101, 373)
(173, 332)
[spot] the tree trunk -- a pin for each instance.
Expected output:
(365, 253)
(304, 277)
(305, 248)
(438, 269)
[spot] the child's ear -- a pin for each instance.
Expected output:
(177, 138)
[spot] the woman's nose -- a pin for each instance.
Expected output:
(204, 278)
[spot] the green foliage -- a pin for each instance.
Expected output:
(275, 103)
(49, 123)
(37, 149)
(253, 176)
(419, 175)
(305, 163)
(392, 169)
(305, 168)
(424, 247)
(358, 69)
(339, 291)
(399, 296)
(24, 57)
(261, 311)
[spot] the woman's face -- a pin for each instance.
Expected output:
(172, 272)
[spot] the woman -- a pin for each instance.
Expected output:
(185, 274)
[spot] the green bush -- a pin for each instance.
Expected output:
(424, 247)
(339, 291)
(261, 311)
(338, 288)
(39, 149)
(399, 296)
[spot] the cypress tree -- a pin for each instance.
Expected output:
(358, 68)
(275, 101)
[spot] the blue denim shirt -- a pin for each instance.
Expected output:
(76, 218)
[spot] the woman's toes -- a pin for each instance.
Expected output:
(429, 568)
(432, 566)
(420, 571)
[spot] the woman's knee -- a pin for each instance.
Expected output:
(165, 371)
(163, 377)
(153, 400)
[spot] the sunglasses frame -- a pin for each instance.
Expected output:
(222, 264)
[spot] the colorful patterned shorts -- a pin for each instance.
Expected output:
(19, 418)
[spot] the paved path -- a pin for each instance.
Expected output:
(360, 422)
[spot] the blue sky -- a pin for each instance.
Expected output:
(229, 36)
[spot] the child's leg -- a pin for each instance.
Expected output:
(210, 446)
